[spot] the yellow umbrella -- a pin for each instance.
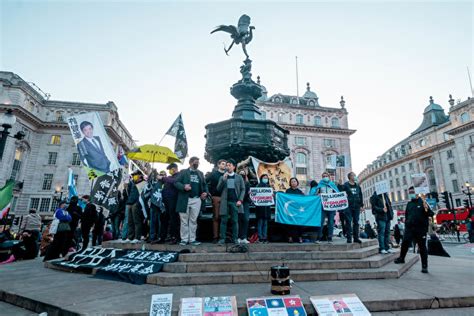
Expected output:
(153, 153)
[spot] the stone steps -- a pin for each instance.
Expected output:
(251, 264)
(388, 271)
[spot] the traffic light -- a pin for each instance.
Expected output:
(445, 199)
(465, 203)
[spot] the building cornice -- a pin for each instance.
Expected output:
(309, 128)
(462, 128)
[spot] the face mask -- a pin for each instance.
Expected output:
(265, 180)
(195, 165)
(326, 179)
(412, 196)
(171, 172)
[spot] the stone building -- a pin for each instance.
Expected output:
(442, 147)
(316, 132)
(39, 162)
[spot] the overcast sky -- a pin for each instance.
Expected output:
(157, 59)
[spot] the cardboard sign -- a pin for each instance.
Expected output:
(276, 305)
(420, 182)
(191, 306)
(161, 305)
(382, 187)
(334, 201)
(262, 196)
(220, 306)
(339, 305)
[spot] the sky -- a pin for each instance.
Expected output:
(156, 59)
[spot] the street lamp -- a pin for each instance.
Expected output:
(7, 120)
(58, 194)
(468, 192)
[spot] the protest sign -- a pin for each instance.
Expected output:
(220, 306)
(105, 190)
(432, 203)
(334, 201)
(420, 182)
(261, 196)
(279, 173)
(161, 305)
(382, 187)
(337, 305)
(294, 209)
(191, 306)
(89, 259)
(276, 305)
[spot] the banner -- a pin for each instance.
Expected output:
(105, 190)
(279, 173)
(161, 305)
(181, 143)
(262, 196)
(382, 187)
(294, 209)
(339, 305)
(420, 182)
(276, 306)
(92, 141)
(6, 195)
(334, 201)
(89, 259)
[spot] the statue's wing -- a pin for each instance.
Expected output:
(232, 30)
(244, 22)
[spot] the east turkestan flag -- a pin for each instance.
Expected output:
(181, 143)
(6, 195)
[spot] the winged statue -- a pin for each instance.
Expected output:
(242, 34)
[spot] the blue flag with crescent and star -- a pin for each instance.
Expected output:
(294, 209)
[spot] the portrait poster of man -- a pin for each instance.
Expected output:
(92, 141)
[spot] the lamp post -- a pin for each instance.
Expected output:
(58, 194)
(468, 192)
(7, 120)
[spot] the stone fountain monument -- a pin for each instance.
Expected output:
(246, 133)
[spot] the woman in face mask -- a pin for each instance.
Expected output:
(263, 213)
(295, 232)
(325, 186)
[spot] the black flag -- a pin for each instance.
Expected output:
(181, 143)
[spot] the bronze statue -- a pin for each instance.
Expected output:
(242, 34)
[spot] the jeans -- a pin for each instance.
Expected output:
(216, 204)
(262, 226)
(172, 227)
(244, 221)
(383, 232)
(352, 223)
(155, 213)
(189, 220)
(116, 226)
(125, 223)
(232, 214)
(420, 239)
(85, 230)
(135, 222)
(330, 216)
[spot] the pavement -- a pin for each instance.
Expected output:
(29, 285)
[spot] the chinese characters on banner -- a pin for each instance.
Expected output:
(105, 190)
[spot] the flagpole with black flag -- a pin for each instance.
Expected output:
(181, 143)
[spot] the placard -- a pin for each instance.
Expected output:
(339, 305)
(220, 306)
(420, 182)
(191, 306)
(382, 187)
(261, 196)
(276, 306)
(161, 305)
(334, 201)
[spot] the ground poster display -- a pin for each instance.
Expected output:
(276, 306)
(208, 306)
(339, 305)
(161, 305)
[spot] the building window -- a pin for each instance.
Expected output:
(392, 196)
(34, 203)
(406, 194)
(452, 169)
(281, 117)
(59, 117)
(311, 102)
(385, 175)
(55, 140)
(299, 119)
(404, 180)
(397, 181)
(300, 159)
(52, 157)
(403, 168)
(317, 121)
(16, 164)
(76, 159)
(455, 186)
(54, 205)
(330, 143)
(431, 178)
(300, 141)
(294, 101)
(458, 202)
(399, 196)
(464, 117)
(335, 122)
(471, 139)
(449, 154)
(390, 173)
(422, 142)
(301, 170)
(44, 207)
(396, 171)
(410, 166)
(76, 177)
(47, 181)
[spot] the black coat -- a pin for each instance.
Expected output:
(263, 212)
(76, 213)
(92, 156)
(356, 200)
(183, 178)
(89, 216)
(417, 217)
(212, 181)
(377, 207)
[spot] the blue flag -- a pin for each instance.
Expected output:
(294, 209)
(71, 184)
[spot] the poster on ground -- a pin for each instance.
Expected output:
(339, 305)
(261, 196)
(420, 182)
(220, 306)
(382, 187)
(161, 305)
(334, 201)
(191, 306)
(276, 306)
(93, 143)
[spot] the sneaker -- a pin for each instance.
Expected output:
(9, 260)
(390, 250)
(399, 261)
(126, 240)
(330, 242)
(349, 241)
(384, 252)
(183, 243)
(424, 270)
(358, 241)
(244, 241)
(221, 242)
(317, 242)
(239, 241)
(135, 241)
(195, 243)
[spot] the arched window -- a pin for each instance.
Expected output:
(294, 101)
(464, 117)
(311, 102)
(299, 118)
(431, 178)
(301, 167)
(281, 117)
(59, 116)
(301, 158)
(335, 122)
(317, 120)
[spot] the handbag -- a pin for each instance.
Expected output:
(63, 227)
(54, 226)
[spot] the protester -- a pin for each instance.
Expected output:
(263, 213)
(46, 240)
(192, 191)
(295, 232)
(154, 187)
(383, 215)
(107, 234)
(170, 198)
(32, 223)
(244, 216)
(125, 193)
(232, 188)
(396, 233)
(76, 212)
(135, 213)
(88, 218)
(60, 240)
(212, 181)
(116, 216)
(471, 229)
(26, 249)
(98, 231)
(342, 216)
(368, 230)
(356, 205)
(325, 186)
(417, 213)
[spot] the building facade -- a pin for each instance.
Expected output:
(442, 147)
(316, 132)
(39, 162)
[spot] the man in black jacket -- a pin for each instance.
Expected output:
(383, 215)
(88, 218)
(356, 205)
(417, 216)
(76, 212)
(212, 180)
